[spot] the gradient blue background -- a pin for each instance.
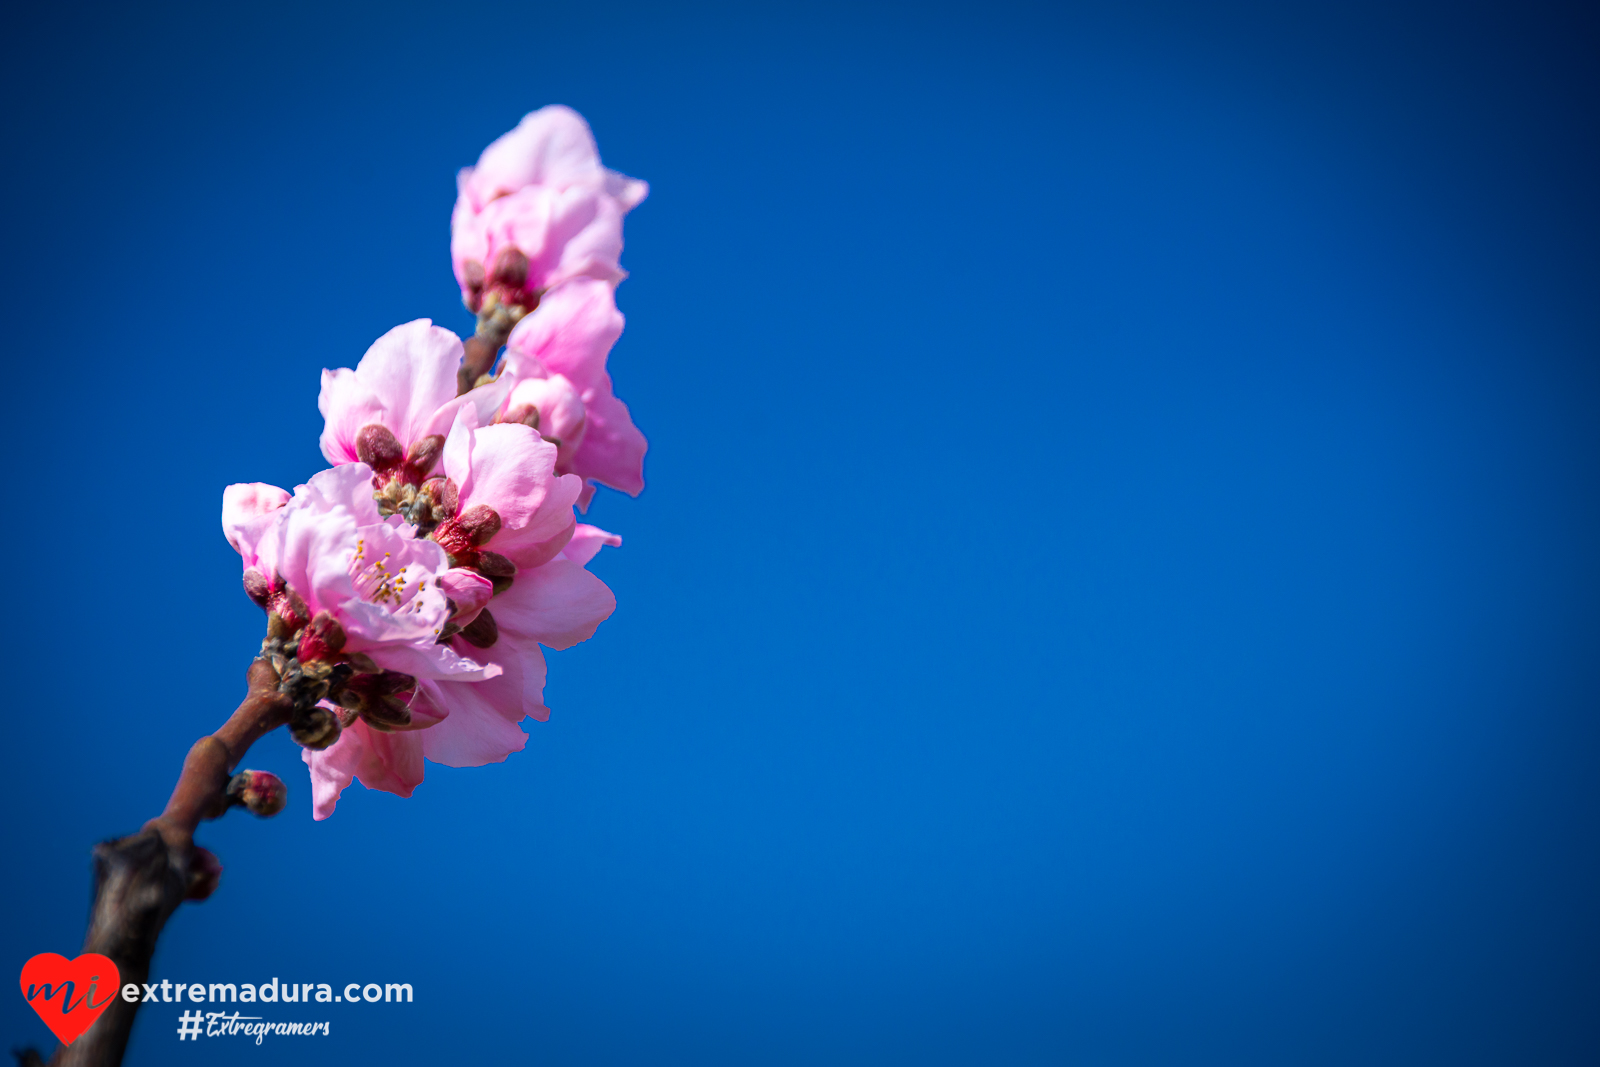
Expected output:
(1117, 583)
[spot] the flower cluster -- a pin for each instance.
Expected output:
(409, 587)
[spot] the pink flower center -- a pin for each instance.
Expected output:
(377, 582)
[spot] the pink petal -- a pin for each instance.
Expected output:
(565, 234)
(468, 590)
(569, 336)
(433, 662)
(571, 331)
(347, 404)
(547, 532)
(561, 413)
(613, 449)
(558, 604)
(629, 192)
(479, 404)
(248, 512)
(391, 762)
(551, 146)
(318, 533)
(412, 370)
(482, 724)
(510, 469)
(541, 189)
(586, 542)
(527, 553)
(401, 383)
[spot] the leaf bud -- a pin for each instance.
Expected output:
(481, 632)
(494, 565)
(316, 729)
(386, 713)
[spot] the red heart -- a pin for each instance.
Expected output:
(69, 995)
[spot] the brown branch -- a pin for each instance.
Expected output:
(496, 318)
(141, 880)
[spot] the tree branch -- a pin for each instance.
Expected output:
(496, 318)
(140, 880)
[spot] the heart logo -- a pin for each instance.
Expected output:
(69, 995)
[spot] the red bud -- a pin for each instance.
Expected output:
(479, 522)
(322, 639)
(424, 454)
(205, 871)
(378, 449)
(262, 792)
(511, 270)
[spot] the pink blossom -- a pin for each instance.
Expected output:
(537, 210)
(393, 411)
(505, 516)
(556, 369)
(556, 604)
(327, 549)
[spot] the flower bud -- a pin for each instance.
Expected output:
(424, 454)
(462, 535)
(494, 565)
(526, 414)
(262, 792)
(481, 632)
(386, 713)
(378, 449)
(479, 522)
(511, 270)
(316, 729)
(446, 494)
(288, 612)
(389, 683)
(205, 871)
(382, 699)
(257, 588)
(321, 640)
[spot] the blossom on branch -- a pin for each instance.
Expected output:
(474, 512)
(393, 410)
(502, 514)
(537, 210)
(411, 590)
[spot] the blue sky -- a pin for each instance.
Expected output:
(1116, 583)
